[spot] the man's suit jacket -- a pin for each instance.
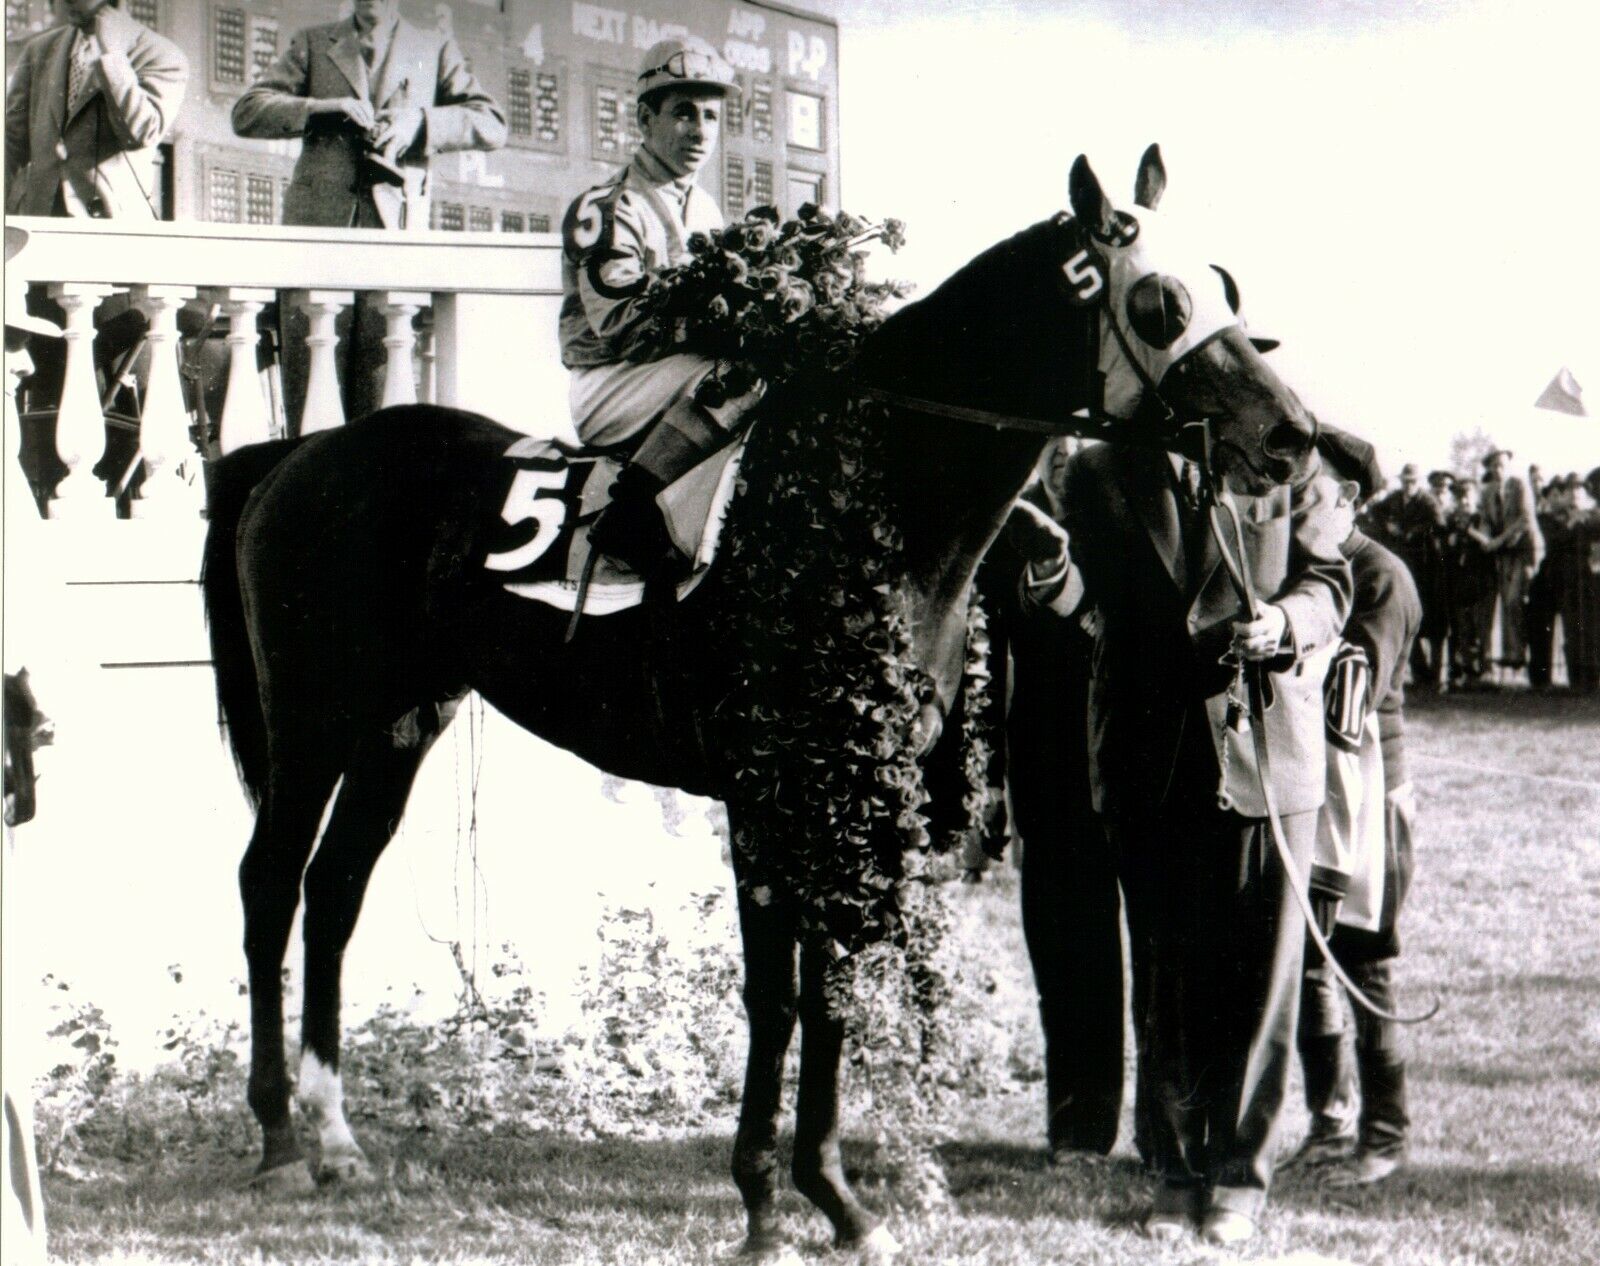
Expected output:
(420, 68)
(1166, 609)
(101, 161)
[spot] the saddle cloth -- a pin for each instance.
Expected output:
(539, 547)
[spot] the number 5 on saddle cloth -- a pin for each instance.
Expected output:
(539, 547)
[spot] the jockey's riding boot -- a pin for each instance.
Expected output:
(632, 528)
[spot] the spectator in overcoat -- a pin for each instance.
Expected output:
(1545, 585)
(1413, 527)
(372, 99)
(1468, 548)
(1215, 929)
(1571, 577)
(1517, 549)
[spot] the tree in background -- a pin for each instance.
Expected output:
(1468, 449)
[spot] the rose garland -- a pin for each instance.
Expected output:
(820, 723)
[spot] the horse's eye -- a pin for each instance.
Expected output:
(1159, 309)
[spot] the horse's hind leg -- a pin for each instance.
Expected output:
(269, 883)
(769, 999)
(372, 799)
(818, 1165)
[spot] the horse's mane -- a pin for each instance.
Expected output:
(817, 610)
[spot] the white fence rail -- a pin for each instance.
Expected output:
(493, 302)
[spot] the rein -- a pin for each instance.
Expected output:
(1253, 674)
(1091, 422)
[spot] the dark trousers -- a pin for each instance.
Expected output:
(119, 328)
(1217, 940)
(1071, 918)
(360, 356)
(1544, 601)
(1373, 1061)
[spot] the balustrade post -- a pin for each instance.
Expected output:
(245, 419)
(447, 339)
(164, 441)
(428, 389)
(80, 422)
(400, 308)
(324, 409)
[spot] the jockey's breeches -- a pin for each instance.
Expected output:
(612, 404)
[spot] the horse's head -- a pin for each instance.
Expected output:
(1171, 341)
(26, 728)
(1015, 335)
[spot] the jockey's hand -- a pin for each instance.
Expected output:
(1036, 536)
(1263, 637)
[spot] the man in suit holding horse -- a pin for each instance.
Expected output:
(1215, 930)
(374, 98)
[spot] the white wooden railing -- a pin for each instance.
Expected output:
(493, 301)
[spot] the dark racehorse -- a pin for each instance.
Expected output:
(345, 591)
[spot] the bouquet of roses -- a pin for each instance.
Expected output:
(771, 299)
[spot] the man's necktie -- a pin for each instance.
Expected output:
(1191, 521)
(80, 74)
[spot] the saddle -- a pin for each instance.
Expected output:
(539, 546)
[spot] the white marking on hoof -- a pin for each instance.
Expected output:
(878, 1245)
(346, 1168)
(293, 1179)
(321, 1096)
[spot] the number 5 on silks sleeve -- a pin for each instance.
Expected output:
(588, 223)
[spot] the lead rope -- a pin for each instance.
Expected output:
(1233, 560)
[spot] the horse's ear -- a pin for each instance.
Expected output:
(1151, 182)
(1089, 201)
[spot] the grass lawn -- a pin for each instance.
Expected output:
(1505, 1093)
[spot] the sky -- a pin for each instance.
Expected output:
(1405, 191)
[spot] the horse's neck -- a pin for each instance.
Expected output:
(953, 484)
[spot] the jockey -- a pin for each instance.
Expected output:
(614, 237)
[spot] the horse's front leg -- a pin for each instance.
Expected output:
(768, 931)
(371, 801)
(818, 1165)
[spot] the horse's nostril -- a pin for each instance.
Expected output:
(1287, 440)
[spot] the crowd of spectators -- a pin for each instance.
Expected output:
(1499, 553)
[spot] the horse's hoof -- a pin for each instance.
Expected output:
(289, 1179)
(345, 1168)
(767, 1252)
(877, 1247)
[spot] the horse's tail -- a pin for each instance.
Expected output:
(229, 483)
